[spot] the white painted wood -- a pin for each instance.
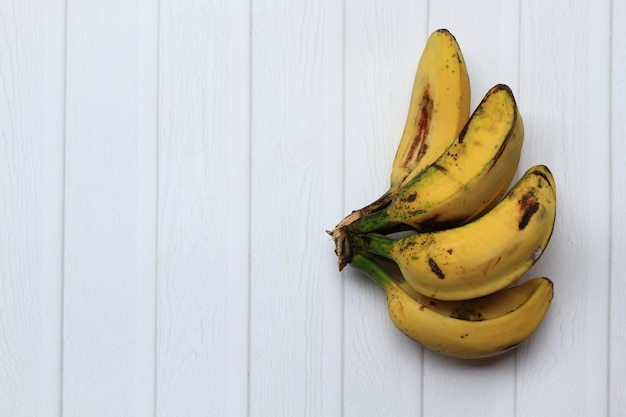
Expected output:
(52, 210)
(202, 295)
(488, 34)
(238, 226)
(489, 41)
(296, 147)
(168, 170)
(108, 241)
(384, 41)
(617, 285)
(31, 181)
(146, 171)
(564, 88)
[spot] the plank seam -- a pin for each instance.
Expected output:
(157, 211)
(611, 215)
(249, 231)
(64, 214)
(342, 372)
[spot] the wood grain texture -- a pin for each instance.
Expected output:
(202, 355)
(31, 185)
(168, 170)
(384, 41)
(617, 285)
(564, 95)
(147, 204)
(103, 224)
(296, 145)
(52, 212)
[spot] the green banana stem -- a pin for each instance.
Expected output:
(373, 270)
(374, 222)
(362, 221)
(379, 204)
(372, 243)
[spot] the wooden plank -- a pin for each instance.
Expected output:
(109, 211)
(617, 318)
(147, 148)
(31, 186)
(297, 128)
(202, 296)
(564, 87)
(489, 42)
(384, 42)
(488, 34)
(51, 215)
(325, 99)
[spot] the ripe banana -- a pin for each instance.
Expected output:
(477, 328)
(438, 110)
(478, 258)
(463, 183)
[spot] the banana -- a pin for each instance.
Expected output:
(438, 110)
(463, 183)
(478, 258)
(440, 107)
(477, 328)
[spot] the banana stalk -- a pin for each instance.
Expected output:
(438, 109)
(478, 258)
(463, 183)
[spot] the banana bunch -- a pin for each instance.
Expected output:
(467, 234)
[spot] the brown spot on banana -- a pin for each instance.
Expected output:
(530, 206)
(435, 268)
(419, 144)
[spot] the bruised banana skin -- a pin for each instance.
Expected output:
(481, 257)
(464, 182)
(470, 329)
(438, 110)
(440, 107)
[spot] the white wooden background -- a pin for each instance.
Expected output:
(168, 169)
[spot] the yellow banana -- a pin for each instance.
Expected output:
(471, 329)
(438, 110)
(478, 258)
(464, 182)
(440, 107)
